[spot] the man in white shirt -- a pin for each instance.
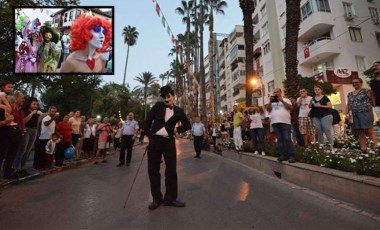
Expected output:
(47, 128)
(280, 120)
(306, 125)
(129, 131)
(198, 130)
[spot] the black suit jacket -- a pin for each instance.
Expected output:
(156, 120)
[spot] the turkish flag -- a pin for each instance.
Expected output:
(306, 52)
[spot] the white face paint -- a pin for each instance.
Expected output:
(97, 37)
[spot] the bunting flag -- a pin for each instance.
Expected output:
(168, 29)
(163, 20)
(158, 9)
(153, 1)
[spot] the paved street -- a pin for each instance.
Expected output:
(220, 194)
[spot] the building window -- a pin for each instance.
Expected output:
(378, 39)
(270, 86)
(65, 20)
(79, 12)
(374, 12)
(355, 34)
(263, 11)
(348, 9)
(360, 63)
(283, 32)
(306, 10)
(323, 6)
(264, 29)
(71, 16)
(266, 47)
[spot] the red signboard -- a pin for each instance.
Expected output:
(333, 78)
(306, 52)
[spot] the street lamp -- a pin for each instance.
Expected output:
(255, 82)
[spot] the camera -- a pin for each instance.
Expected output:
(274, 98)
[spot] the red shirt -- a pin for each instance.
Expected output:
(65, 130)
(19, 115)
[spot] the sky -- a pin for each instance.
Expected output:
(150, 54)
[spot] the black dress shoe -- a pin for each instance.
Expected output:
(155, 204)
(119, 165)
(174, 203)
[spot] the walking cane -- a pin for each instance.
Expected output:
(137, 172)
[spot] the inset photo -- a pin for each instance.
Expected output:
(64, 40)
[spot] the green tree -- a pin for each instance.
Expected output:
(248, 7)
(216, 6)
(146, 79)
(293, 20)
(130, 35)
(71, 92)
(308, 84)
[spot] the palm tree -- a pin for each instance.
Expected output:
(248, 7)
(293, 20)
(146, 79)
(185, 10)
(217, 7)
(201, 63)
(130, 38)
(163, 77)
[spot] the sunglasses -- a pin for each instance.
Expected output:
(355, 82)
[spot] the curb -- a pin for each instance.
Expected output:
(36, 173)
(363, 191)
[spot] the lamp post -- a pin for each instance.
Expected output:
(262, 89)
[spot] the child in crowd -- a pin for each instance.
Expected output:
(5, 89)
(50, 149)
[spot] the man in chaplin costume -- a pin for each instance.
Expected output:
(160, 128)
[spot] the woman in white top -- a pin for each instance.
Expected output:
(256, 116)
(89, 137)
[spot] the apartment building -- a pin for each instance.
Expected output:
(338, 40)
(231, 69)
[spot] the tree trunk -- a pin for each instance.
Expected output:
(248, 7)
(126, 63)
(202, 67)
(293, 20)
(211, 61)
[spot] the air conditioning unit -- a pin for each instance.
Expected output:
(349, 16)
(376, 21)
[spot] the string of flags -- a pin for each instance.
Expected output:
(174, 40)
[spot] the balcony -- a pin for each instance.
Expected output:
(315, 25)
(319, 50)
(239, 82)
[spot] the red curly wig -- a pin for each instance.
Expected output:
(81, 32)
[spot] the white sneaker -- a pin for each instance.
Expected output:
(256, 153)
(263, 153)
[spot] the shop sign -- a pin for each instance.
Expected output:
(342, 72)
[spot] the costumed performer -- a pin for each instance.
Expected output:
(27, 60)
(159, 129)
(49, 50)
(90, 36)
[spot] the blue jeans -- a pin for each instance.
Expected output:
(324, 125)
(284, 142)
(257, 137)
(25, 147)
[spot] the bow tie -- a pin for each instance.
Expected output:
(169, 106)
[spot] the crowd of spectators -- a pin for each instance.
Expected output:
(26, 131)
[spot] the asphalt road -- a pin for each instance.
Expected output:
(220, 194)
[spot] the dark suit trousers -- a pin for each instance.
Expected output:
(126, 144)
(198, 144)
(158, 147)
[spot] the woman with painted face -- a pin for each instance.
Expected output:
(49, 51)
(160, 128)
(90, 36)
(27, 61)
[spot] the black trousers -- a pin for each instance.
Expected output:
(10, 156)
(126, 144)
(39, 153)
(198, 145)
(158, 147)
